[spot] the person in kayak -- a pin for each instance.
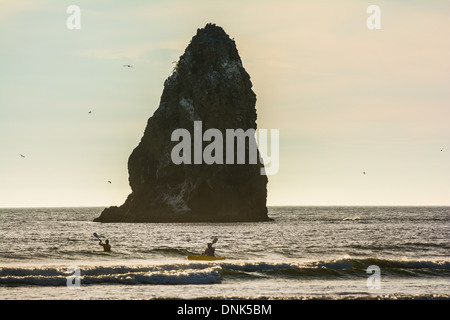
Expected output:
(210, 251)
(106, 245)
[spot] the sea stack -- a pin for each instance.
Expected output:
(209, 86)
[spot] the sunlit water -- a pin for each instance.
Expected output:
(305, 253)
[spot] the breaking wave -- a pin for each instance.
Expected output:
(57, 276)
(213, 272)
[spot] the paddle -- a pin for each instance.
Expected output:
(97, 236)
(215, 240)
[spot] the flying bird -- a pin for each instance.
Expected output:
(22, 155)
(109, 181)
(128, 65)
(364, 172)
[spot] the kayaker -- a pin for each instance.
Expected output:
(210, 250)
(106, 246)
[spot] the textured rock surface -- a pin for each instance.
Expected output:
(209, 84)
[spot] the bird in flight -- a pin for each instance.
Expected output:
(90, 111)
(22, 155)
(128, 65)
(109, 181)
(364, 172)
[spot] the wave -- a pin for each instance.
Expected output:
(343, 268)
(73, 254)
(215, 272)
(358, 264)
(57, 276)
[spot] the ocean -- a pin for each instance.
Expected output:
(305, 253)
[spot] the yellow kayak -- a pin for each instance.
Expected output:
(202, 257)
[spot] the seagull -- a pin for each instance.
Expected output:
(128, 66)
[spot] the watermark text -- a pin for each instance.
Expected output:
(232, 149)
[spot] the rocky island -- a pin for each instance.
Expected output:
(209, 85)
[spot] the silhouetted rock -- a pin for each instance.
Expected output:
(209, 84)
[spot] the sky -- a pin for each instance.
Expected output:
(346, 99)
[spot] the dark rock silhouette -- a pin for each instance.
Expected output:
(208, 84)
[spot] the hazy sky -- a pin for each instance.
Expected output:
(346, 99)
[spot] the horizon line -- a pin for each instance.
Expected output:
(268, 206)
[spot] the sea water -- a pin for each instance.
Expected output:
(304, 253)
